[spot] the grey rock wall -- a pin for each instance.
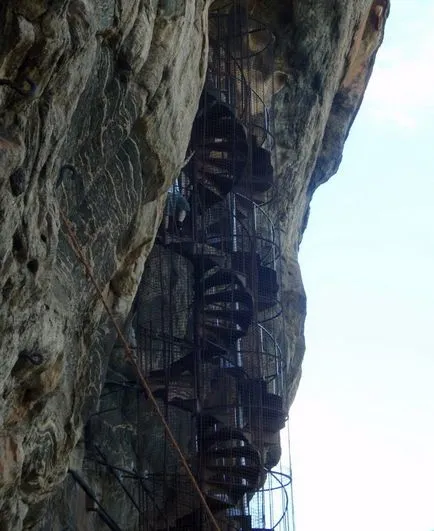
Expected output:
(116, 96)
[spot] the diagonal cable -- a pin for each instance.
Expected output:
(75, 246)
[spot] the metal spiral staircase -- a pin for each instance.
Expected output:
(207, 342)
(235, 285)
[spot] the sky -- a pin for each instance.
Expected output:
(362, 430)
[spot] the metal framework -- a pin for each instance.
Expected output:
(205, 327)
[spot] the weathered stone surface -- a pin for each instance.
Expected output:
(116, 100)
(117, 85)
(328, 51)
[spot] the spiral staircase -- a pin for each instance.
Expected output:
(205, 331)
(233, 287)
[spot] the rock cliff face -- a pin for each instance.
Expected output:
(97, 102)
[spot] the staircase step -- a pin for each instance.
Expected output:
(217, 504)
(265, 408)
(220, 182)
(219, 110)
(211, 175)
(239, 452)
(204, 256)
(224, 277)
(235, 491)
(228, 335)
(212, 163)
(242, 318)
(175, 369)
(249, 473)
(187, 363)
(213, 184)
(216, 350)
(230, 296)
(233, 146)
(224, 434)
(224, 128)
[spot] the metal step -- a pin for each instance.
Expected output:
(242, 318)
(239, 452)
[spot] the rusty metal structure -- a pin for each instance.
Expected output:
(205, 326)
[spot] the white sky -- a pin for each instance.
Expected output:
(362, 423)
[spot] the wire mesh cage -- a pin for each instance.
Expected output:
(206, 323)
